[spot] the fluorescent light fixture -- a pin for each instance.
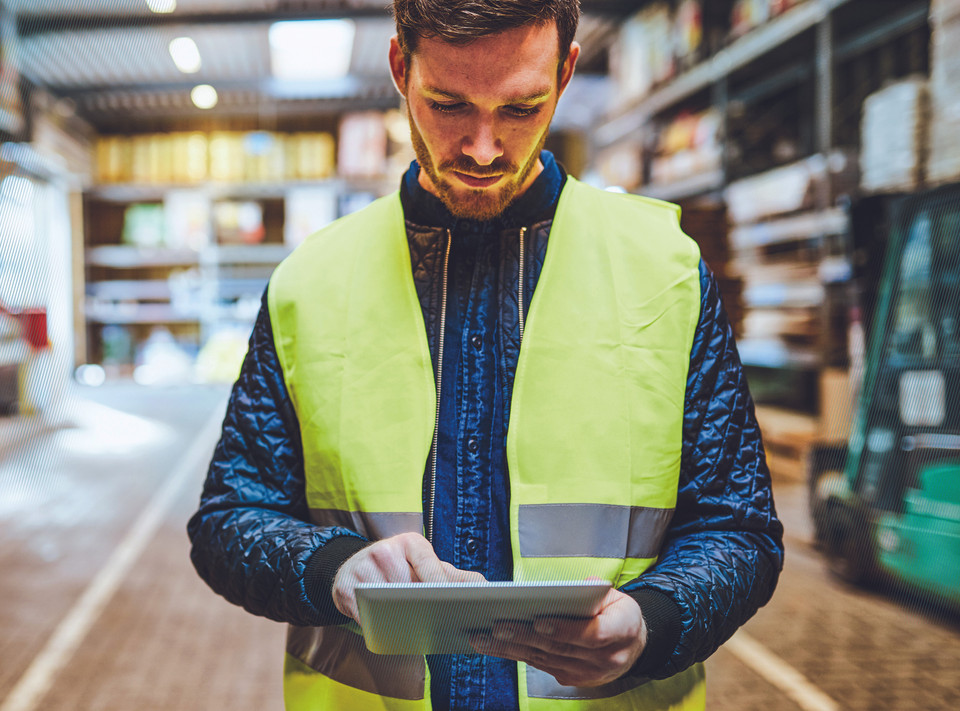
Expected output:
(162, 7)
(185, 55)
(311, 49)
(204, 96)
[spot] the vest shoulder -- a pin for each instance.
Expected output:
(655, 223)
(637, 209)
(667, 210)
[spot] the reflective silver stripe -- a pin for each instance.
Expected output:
(661, 694)
(541, 685)
(591, 530)
(373, 526)
(341, 655)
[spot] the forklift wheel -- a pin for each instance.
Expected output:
(850, 552)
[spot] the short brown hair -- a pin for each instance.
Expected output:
(462, 21)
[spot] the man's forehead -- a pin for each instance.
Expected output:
(514, 66)
(541, 39)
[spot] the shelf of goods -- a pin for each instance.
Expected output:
(756, 115)
(651, 94)
(186, 267)
(195, 291)
(184, 229)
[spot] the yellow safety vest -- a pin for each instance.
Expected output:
(594, 439)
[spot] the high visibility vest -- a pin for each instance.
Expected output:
(594, 438)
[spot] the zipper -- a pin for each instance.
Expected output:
(436, 421)
(523, 232)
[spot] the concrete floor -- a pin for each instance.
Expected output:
(102, 610)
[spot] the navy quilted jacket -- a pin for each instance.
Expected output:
(721, 557)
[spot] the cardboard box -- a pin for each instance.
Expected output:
(894, 132)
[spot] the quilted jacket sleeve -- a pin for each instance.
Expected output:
(723, 552)
(251, 536)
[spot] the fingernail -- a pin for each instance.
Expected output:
(503, 633)
(544, 627)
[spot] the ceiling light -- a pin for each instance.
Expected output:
(311, 49)
(204, 96)
(185, 55)
(162, 6)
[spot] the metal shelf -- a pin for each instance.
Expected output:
(132, 314)
(786, 229)
(246, 253)
(152, 192)
(741, 52)
(125, 256)
(688, 187)
(124, 289)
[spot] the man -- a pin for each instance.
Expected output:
(388, 426)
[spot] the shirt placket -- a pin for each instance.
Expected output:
(474, 431)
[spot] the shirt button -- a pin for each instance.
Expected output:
(472, 545)
(473, 445)
(476, 342)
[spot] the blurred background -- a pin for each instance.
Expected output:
(158, 158)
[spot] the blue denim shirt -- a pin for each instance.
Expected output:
(471, 523)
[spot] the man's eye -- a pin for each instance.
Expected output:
(445, 108)
(522, 111)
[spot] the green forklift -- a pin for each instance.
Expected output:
(886, 505)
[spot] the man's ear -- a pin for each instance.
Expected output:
(569, 64)
(398, 66)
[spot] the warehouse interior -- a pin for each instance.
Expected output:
(155, 223)
(159, 158)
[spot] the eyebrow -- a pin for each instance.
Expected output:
(525, 99)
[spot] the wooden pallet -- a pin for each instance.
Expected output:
(787, 437)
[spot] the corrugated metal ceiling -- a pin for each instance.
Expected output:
(111, 57)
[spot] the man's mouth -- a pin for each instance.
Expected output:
(474, 181)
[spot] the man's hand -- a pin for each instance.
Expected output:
(404, 558)
(576, 652)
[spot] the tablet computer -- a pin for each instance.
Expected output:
(439, 618)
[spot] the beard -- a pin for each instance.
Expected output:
(474, 203)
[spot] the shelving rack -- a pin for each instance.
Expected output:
(191, 292)
(789, 93)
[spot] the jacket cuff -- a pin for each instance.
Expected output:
(321, 569)
(663, 619)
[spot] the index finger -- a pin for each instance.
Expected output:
(423, 561)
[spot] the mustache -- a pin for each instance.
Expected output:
(464, 164)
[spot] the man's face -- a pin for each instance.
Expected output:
(479, 114)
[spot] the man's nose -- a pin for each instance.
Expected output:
(482, 143)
